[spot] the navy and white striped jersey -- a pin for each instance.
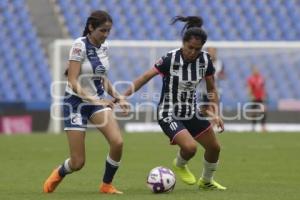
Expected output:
(94, 65)
(180, 80)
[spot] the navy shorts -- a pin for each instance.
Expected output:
(77, 112)
(195, 125)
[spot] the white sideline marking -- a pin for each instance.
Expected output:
(271, 127)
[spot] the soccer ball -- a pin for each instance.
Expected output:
(161, 179)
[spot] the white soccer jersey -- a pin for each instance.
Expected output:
(94, 65)
(218, 64)
(202, 90)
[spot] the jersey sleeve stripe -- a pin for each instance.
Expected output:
(156, 69)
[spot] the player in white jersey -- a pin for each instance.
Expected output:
(218, 64)
(202, 95)
(84, 100)
(182, 70)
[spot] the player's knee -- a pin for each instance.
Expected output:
(190, 148)
(215, 148)
(117, 144)
(77, 163)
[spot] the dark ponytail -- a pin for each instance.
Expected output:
(192, 27)
(191, 21)
(86, 29)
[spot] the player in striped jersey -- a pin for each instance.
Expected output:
(84, 100)
(182, 70)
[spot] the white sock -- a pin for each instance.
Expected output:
(208, 170)
(67, 166)
(180, 162)
(112, 162)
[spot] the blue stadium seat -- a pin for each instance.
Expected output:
(215, 11)
(20, 54)
(245, 20)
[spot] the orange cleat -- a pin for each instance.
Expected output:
(52, 181)
(109, 189)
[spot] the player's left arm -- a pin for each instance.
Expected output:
(118, 98)
(213, 110)
(110, 89)
(212, 93)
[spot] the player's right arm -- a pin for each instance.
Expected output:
(73, 74)
(140, 81)
(162, 66)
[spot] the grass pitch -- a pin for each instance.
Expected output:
(252, 166)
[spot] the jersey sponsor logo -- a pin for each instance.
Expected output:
(90, 52)
(187, 86)
(100, 69)
(76, 119)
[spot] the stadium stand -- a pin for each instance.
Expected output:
(245, 20)
(25, 73)
(22, 58)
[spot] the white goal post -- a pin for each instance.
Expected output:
(59, 51)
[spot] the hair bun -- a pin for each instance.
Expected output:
(194, 21)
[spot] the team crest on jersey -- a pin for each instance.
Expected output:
(104, 51)
(177, 64)
(76, 119)
(76, 52)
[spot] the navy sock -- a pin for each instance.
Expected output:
(64, 169)
(110, 169)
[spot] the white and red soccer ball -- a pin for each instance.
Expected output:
(161, 180)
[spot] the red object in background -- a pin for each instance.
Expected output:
(257, 87)
(16, 124)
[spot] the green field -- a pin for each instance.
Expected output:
(252, 166)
